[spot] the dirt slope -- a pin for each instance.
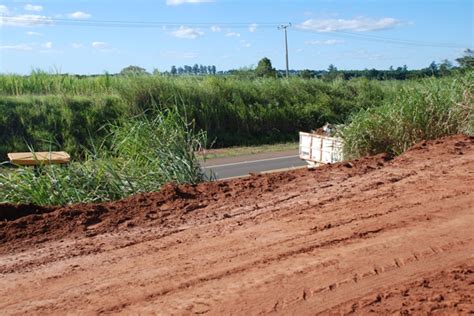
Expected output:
(373, 235)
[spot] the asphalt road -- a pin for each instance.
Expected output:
(224, 168)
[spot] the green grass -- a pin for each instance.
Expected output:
(246, 150)
(140, 155)
(133, 134)
(424, 110)
(67, 112)
(57, 122)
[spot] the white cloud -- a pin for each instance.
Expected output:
(30, 33)
(77, 45)
(362, 54)
(4, 10)
(18, 47)
(100, 45)
(26, 20)
(359, 24)
(245, 44)
(187, 32)
(79, 15)
(35, 8)
(326, 42)
(178, 2)
(215, 28)
(232, 34)
(253, 27)
(180, 55)
(47, 45)
(187, 55)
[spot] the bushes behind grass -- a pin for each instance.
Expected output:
(424, 110)
(67, 112)
(55, 122)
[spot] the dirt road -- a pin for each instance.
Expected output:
(373, 235)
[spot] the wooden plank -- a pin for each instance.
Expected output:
(39, 158)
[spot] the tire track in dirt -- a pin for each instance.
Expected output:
(336, 239)
(188, 284)
(374, 270)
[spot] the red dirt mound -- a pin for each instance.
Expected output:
(446, 292)
(168, 208)
(370, 235)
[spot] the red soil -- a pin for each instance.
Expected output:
(373, 235)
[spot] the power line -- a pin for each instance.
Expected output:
(162, 24)
(375, 38)
(122, 23)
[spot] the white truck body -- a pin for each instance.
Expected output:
(319, 149)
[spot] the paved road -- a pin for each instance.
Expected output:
(243, 165)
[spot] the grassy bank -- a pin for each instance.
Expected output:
(140, 155)
(429, 109)
(133, 134)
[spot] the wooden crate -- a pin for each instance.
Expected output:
(39, 158)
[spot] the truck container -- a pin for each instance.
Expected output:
(319, 149)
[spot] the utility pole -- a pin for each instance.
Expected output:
(285, 27)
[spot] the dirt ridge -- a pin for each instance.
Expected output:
(374, 235)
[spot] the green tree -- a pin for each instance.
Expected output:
(332, 72)
(445, 67)
(265, 69)
(173, 70)
(332, 68)
(467, 61)
(195, 69)
(133, 70)
(306, 74)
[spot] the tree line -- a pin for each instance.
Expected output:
(264, 68)
(194, 70)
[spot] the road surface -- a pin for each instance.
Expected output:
(231, 167)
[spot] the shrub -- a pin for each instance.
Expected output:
(143, 155)
(425, 110)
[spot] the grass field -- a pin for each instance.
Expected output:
(132, 134)
(69, 113)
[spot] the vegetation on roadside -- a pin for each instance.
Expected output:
(132, 133)
(67, 112)
(424, 110)
(140, 155)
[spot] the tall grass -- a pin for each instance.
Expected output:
(57, 122)
(42, 83)
(140, 156)
(425, 110)
(67, 111)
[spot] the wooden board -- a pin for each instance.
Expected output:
(38, 158)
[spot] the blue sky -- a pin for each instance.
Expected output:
(93, 36)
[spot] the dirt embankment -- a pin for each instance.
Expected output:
(372, 235)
